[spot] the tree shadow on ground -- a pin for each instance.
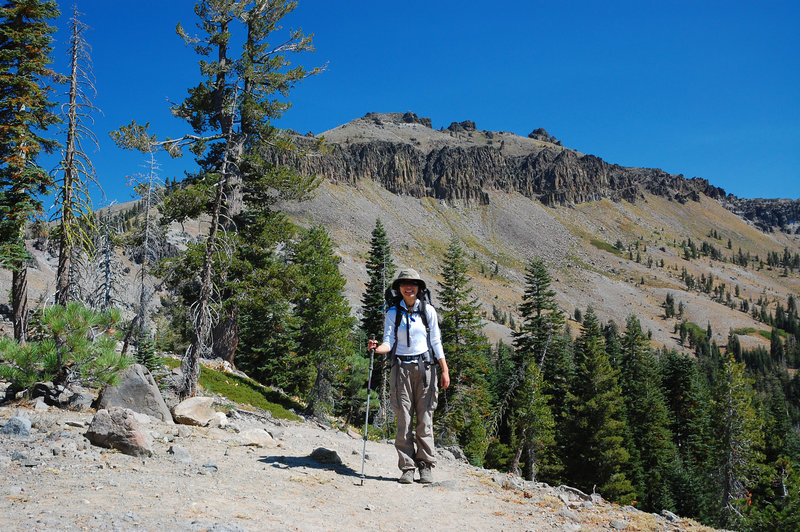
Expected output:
(296, 462)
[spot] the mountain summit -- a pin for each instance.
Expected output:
(613, 236)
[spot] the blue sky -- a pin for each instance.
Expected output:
(706, 89)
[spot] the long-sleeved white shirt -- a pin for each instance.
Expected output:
(416, 331)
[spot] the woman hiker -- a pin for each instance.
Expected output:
(413, 376)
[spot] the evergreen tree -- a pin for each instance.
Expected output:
(267, 321)
(530, 416)
(25, 112)
(779, 508)
(231, 113)
(325, 329)
(540, 314)
(648, 420)
(465, 406)
(688, 400)
(78, 346)
(380, 268)
(739, 439)
(597, 455)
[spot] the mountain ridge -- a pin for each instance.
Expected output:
(428, 186)
(406, 155)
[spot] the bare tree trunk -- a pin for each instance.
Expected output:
(67, 213)
(515, 462)
(190, 365)
(19, 302)
(529, 471)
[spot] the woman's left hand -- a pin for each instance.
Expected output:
(445, 378)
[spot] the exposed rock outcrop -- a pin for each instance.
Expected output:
(767, 214)
(542, 135)
(464, 168)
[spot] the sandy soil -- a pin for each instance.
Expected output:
(54, 479)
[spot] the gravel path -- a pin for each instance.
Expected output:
(205, 479)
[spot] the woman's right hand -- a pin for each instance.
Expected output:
(371, 344)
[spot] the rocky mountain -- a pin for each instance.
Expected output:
(509, 198)
(768, 214)
(613, 237)
(406, 156)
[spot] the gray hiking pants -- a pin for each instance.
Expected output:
(410, 397)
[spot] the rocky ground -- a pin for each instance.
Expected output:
(203, 478)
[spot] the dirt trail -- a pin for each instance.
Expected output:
(54, 479)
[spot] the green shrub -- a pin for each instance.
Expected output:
(605, 246)
(76, 345)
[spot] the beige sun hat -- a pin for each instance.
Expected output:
(407, 274)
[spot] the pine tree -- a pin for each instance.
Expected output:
(688, 399)
(648, 420)
(380, 269)
(530, 417)
(739, 439)
(325, 331)
(541, 316)
(597, 454)
(25, 112)
(231, 112)
(149, 238)
(78, 346)
(465, 405)
(268, 323)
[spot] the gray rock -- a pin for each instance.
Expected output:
(195, 411)
(618, 524)
(572, 515)
(456, 452)
(669, 515)
(509, 482)
(325, 456)
(80, 401)
(256, 438)
(209, 468)
(116, 428)
(18, 426)
(137, 391)
(24, 459)
(225, 528)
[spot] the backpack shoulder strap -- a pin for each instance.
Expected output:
(398, 316)
(423, 311)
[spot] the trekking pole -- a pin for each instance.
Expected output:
(366, 420)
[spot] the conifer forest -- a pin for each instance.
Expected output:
(711, 432)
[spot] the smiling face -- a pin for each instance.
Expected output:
(409, 291)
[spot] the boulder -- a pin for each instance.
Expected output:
(194, 411)
(117, 428)
(325, 456)
(19, 426)
(137, 390)
(256, 438)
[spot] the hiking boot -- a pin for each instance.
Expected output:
(407, 477)
(425, 473)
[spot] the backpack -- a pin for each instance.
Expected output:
(392, 298)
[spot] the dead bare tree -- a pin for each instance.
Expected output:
(76, 168)
(148, 241)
